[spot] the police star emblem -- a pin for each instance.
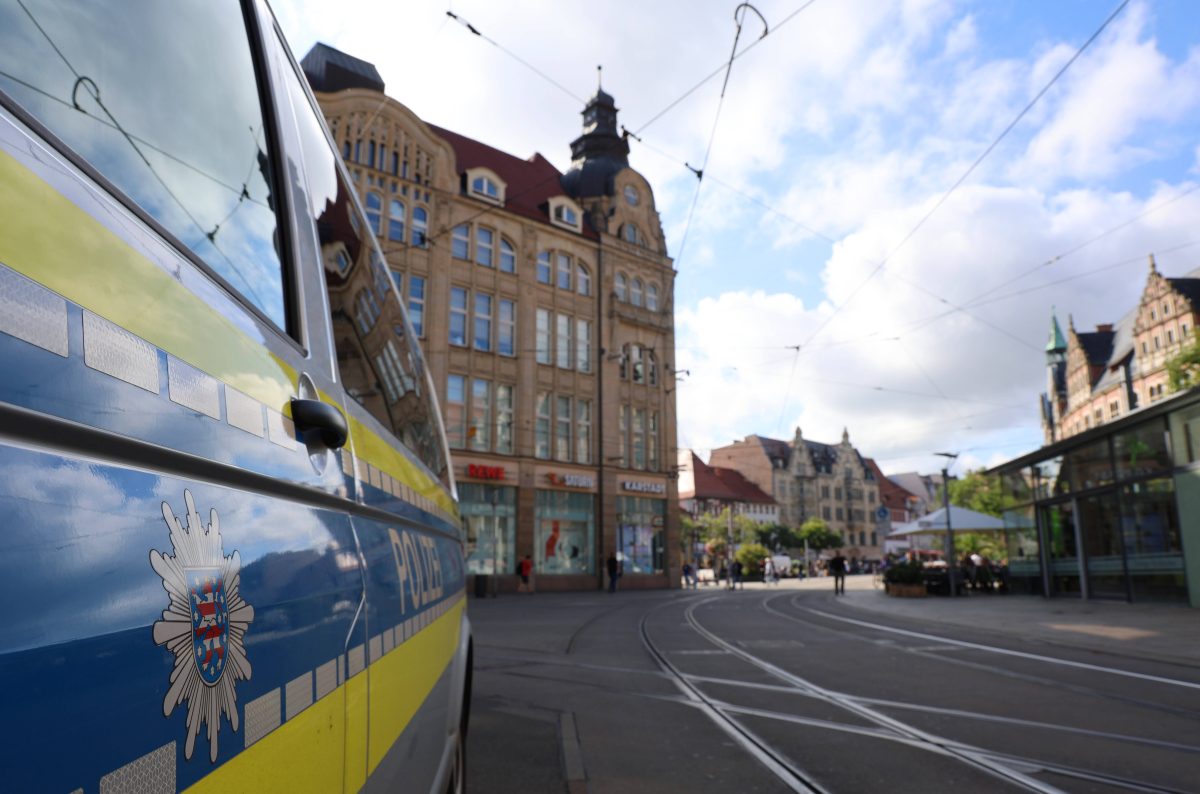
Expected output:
(203, 625)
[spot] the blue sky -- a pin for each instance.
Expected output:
(839, 131)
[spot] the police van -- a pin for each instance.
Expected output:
(230, 553)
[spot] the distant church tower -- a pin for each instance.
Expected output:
(1054, 401)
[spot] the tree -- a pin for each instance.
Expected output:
(775, 536)
(979, 492)
(751, 555)
(1183, 369)
(818, 535)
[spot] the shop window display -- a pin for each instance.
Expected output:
(490, 528)
(564, 536)
(640, 523)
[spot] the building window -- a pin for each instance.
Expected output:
(564, 272)
(563, 341)
(636, 364)
(1145, 349)
(456, 410)
(485, 187)
(484, 242)
(543, 268)
(508, 257)
(562, 429)
(564, 214)
(367, 310)
(825, 513)
(420, 224)
(583, 280)
(1114, 410)
(825, 493)
(481, 415)
(651, 368)
(396, 221)
(583, 431)
(639, 438)
(1183, 330)
(838, 513)
(1153, 316)
(458, 316)
(652, 297)
(652, 441)
(460, 242)
(507, 327)
(504, 419)
(1166, 308)
(541, 435)
(416, 304)
(583, 345)
(630, 233)
(1170, 336)
(635, 292)
(483, 322)
(564, 532)
(619, 286)
(1157, 346)
(622, 430)
(543, 352)
(374, 211)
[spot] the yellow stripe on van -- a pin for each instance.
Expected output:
(302, 754)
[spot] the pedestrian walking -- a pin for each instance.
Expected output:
(769, 571)
(614, 572)
(525, 569)
(689, 576)
(735, 579)
(837, 569)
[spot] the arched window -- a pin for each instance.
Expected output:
(583, 280)
(374, 211)
(630, 233)
(420, 223)
(396, 217)
(619, 286)
(508, 257)
(635, 292)
(652, 297)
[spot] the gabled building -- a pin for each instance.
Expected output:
(705, 489)
(811, 479)
(543, 302)
(1094, 377)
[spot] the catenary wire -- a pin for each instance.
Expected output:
(1003, 134)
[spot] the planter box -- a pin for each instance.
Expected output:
(906, 590)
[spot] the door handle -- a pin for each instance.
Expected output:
(313, 417)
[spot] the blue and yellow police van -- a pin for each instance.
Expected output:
(230, 553)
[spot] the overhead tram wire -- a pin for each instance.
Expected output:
(1003, 134)
(93, 90)
(515, 57)
(723, 66)
(712, 136)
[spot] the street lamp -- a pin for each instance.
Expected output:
(949, 545)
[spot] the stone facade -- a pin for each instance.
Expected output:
(543, 301)
(1094, 377)
(809, 479)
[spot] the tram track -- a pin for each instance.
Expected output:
(1011, 768)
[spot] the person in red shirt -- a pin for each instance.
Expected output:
(525, 567)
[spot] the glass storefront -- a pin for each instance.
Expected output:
(640, 523)
(489, 515)
(1106, 517)
(564, 532)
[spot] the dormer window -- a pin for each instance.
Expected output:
(482, 183)
(565, 212)
(485, 187)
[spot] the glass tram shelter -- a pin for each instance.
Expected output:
(1111, 513)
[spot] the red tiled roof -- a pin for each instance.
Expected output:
(892, 495)
(714, 482)
(529, 184)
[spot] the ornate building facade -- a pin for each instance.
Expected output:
(1094, 377)
(809, 479)
(543, 302)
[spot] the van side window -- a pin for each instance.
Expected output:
(173, 121)
(377, 353)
